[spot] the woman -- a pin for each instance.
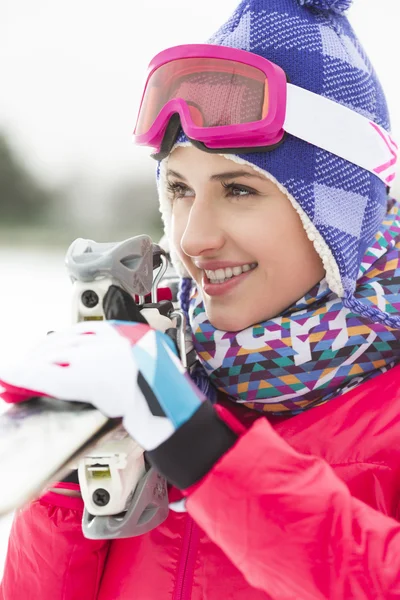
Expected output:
(289, 255)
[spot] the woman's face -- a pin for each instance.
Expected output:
(239, 238)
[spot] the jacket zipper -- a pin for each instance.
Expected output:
(184, 579)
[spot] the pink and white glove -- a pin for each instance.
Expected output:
(132, 371)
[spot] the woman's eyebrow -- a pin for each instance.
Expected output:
(171, 173)
(220, 176)
(234, 175)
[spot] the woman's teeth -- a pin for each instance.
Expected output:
(221, 275)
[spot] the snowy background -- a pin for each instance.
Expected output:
(71, 75)
(34, 299)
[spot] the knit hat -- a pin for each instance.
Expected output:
(340, 204)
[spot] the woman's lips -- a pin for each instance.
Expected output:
(219, 289)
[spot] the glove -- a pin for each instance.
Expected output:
(131, 371)
(120, 368)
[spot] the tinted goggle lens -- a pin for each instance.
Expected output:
(217, 92)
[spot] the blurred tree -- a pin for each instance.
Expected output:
(23, 200)
(133, 208)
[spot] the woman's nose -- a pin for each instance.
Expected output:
(203, 233)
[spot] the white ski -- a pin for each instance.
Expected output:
(40, 440)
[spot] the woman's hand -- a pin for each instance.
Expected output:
(124, 369)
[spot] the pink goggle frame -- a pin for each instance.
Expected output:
(162, 113)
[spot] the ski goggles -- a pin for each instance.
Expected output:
(233, 101)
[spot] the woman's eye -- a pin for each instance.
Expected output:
(233, 189)
(179, 190)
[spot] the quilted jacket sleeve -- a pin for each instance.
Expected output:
(48, 557)
(291, 525)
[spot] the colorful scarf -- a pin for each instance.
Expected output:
(317, 349)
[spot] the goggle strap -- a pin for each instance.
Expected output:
(170, 135)
(341, 131)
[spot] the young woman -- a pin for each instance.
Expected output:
(275, 202)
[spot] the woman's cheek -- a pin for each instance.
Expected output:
(176, 232)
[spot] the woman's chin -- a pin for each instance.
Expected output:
(236, 318)
(223, 322)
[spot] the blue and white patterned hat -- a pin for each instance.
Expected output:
(340, 204)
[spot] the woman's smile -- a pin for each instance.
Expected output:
(223, 281)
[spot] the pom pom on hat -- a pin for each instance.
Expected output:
(336, 6)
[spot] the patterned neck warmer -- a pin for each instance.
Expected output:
(317, 349)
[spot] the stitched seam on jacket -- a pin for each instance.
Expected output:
(360, 462)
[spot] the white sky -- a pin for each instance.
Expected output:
(72, 73)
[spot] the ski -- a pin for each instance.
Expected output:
(41, 441)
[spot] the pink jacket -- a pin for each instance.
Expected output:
(303, 509)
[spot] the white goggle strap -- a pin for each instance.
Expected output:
(341, 131)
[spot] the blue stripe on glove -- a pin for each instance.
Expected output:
(158, 363)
